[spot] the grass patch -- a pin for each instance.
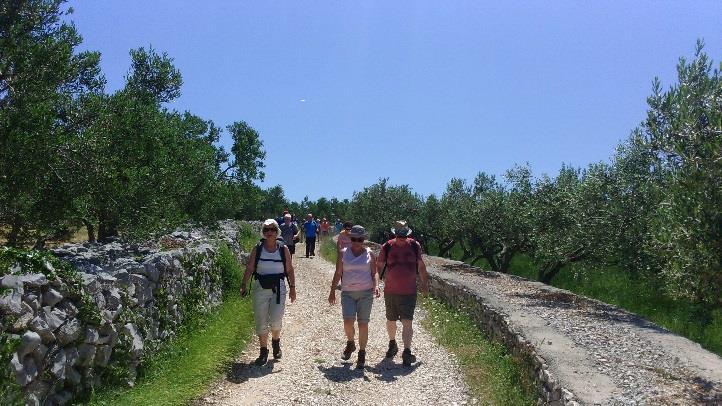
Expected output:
(182, 370)
(328, 250)
(492, 375)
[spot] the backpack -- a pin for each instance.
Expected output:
(272, 282)
(387, 247)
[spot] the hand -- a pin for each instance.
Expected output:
(425, 288)
(244, 292)
(292, 294)
(332, 298)
(377, 292)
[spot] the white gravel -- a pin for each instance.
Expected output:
(311, 371)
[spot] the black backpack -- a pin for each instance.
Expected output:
(272, 282)
(387, 247)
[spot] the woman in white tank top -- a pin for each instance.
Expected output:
(269, 301)
(356, 268)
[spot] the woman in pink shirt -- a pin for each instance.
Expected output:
(356, 268)
(343, 238)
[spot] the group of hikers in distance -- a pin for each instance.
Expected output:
(358, 269)
(312, 229)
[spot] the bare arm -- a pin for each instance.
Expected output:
(336, 279)
(291, 275)
(375, 274)
(250, 268)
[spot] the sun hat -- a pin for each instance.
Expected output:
(401, 229)
(271, 222)
(358, 231)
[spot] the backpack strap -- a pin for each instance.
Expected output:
(386, 247)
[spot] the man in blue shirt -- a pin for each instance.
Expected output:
(310, 228)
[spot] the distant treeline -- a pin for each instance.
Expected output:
(655, 209)
(73, 155)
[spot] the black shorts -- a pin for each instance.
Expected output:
(291, 248)
(400, 307)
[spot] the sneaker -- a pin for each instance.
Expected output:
(393, 349)
(408, 358)
(263, 358)
(361, 360)
(350, 348)
(276, 344)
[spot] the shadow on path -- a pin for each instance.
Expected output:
(389, 371)
(343, 373)
(240, 372)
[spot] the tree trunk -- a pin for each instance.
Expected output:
(491, 259)
(91, 230)
(549, 271)
(467, 253)
(506, 255)
(107, 229)
(444, 249)
(14, 234)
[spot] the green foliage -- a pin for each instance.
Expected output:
(683, 131)
(379, 205)
(247, 237)
(492, 374)
(10, 391)
(230, 270)
(118, 163)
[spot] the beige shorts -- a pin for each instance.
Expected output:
(266, 312)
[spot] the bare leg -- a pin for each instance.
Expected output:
(407, 333)
(263, 339)
(275, 334)
(391, 329)
(363, 335)
(348, 329)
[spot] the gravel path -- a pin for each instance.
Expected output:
(311, 371)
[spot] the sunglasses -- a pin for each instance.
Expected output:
(354, 239)
(268, 230)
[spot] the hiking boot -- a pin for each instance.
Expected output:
(276, 344)
(407, 357)
(263, 358)
(350, 348)
(393, 349)
(361, 360)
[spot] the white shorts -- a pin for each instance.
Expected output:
(266, 311)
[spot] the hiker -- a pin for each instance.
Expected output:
(343, 238)
(290, 233)
(402, 260)
(310, 228)
(270, 264)
(338, 226)
(324, 226)
(356, 268)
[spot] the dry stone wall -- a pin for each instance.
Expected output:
(131, 298)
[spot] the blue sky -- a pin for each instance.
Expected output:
(344, 93)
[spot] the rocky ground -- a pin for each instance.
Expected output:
(312, 372)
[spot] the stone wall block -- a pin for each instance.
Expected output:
(69, 332)
(86, 355)
(28, 343)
